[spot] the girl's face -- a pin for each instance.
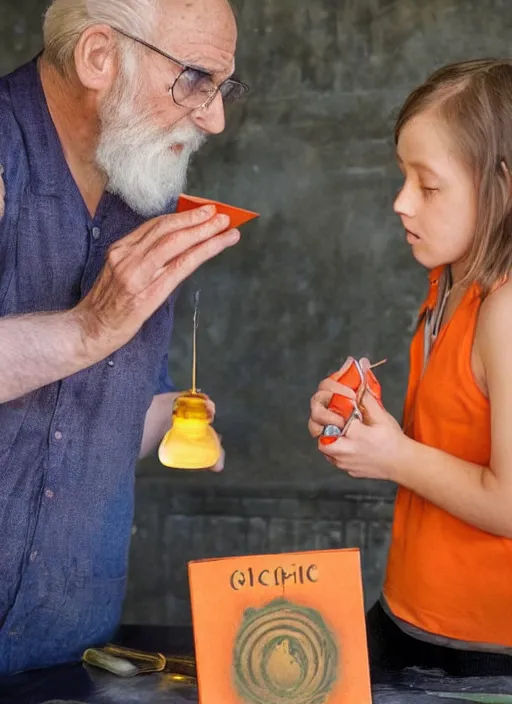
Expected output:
(437, 202)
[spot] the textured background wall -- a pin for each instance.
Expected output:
(324, 273)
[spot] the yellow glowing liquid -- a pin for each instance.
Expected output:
(191, 443)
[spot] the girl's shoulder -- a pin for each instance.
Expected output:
(492, 348)
(496, 309)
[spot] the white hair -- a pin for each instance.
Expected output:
(66, 20)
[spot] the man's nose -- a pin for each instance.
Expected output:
(211, 119)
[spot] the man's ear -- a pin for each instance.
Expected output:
(96, 58)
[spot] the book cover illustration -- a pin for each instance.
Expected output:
(280, 629)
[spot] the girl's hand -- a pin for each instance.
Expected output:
(320, 414)
(369, 450)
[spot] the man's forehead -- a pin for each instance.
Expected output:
(205, 57)
(200, 33)
(200, 20)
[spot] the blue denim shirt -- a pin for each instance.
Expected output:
(67, 451)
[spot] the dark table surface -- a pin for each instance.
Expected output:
(77, 684)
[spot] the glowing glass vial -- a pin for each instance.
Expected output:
(191, 443)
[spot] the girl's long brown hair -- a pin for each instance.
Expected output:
(474, 99)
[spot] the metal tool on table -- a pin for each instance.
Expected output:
(355, 378)
(124, 662)
(127, 662)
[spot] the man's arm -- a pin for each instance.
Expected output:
(141, 272)
(36, 350)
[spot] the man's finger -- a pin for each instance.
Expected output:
(162, 224)
(211, 408)
(186, 264)
(175, 222)
(183, 230)
(173, 244)
(219, 467)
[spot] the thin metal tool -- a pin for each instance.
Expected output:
(194, 342)
(378, 364)
(333, 431)
(124, 662)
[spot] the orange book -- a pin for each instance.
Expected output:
(238, 216)
(280, 629)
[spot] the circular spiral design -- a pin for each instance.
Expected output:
(283, 653)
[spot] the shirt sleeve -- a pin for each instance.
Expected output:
(165, 384)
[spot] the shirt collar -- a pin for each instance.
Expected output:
(435, 274)
(47, 163)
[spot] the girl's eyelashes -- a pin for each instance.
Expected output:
(428, 191)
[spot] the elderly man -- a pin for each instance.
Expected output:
(95, 139)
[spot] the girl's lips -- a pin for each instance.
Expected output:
(411, 237)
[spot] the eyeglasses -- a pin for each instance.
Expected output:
(194, 89)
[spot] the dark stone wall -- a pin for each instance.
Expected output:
(324, 273)
(200, 524)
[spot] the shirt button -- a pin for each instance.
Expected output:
(58, 435)
(110, 363)
(96, 232)
(49, 494)
(33, 555)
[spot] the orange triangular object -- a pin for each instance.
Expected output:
(238, 216)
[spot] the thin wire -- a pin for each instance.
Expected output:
(194, 358)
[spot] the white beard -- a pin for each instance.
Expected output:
(136, 155)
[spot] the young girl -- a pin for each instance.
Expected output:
(447, 596)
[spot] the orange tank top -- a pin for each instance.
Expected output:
(445, 577)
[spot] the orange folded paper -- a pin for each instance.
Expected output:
(279, 629)
(238, 215)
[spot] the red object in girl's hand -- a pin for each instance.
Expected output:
(358, 381)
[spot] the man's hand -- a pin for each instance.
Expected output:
(141, 272)
(144, 268)
(222, 459)
(158, 421)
